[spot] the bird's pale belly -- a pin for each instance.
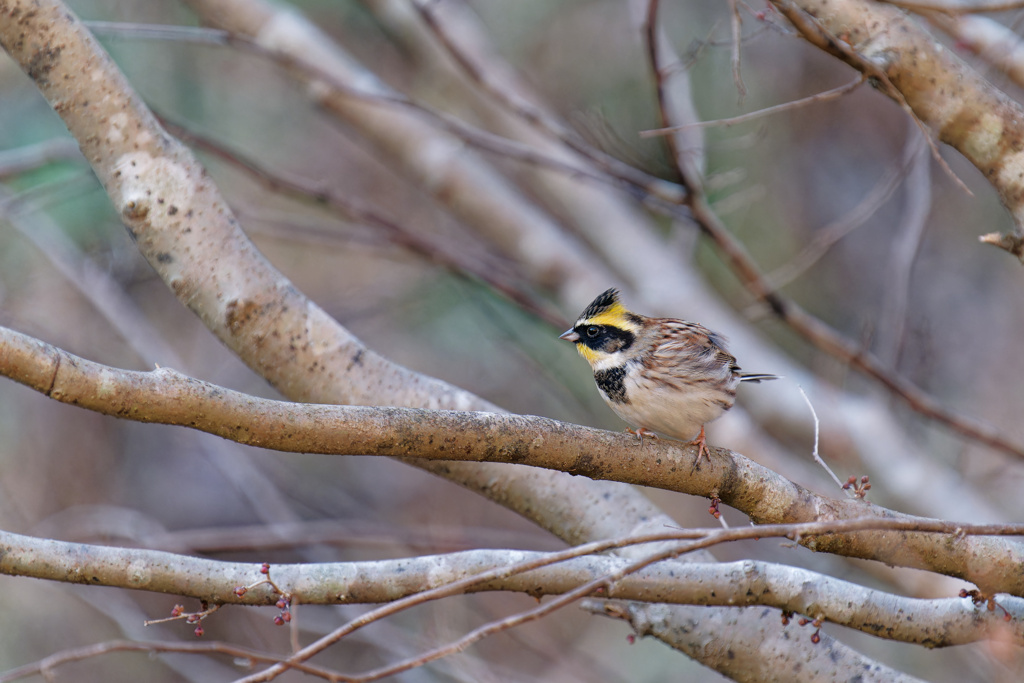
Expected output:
(673, 412)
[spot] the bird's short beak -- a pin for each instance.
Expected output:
(570, 335)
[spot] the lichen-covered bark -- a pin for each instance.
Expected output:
(962, 108)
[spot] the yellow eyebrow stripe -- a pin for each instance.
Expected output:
(614, 315)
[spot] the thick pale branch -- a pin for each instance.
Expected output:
(168, 397)
(827, 662)
(955, 8)
(932, 623)
(995, 43)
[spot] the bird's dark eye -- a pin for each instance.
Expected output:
(593, 331)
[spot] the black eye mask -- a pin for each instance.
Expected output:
(604, 338)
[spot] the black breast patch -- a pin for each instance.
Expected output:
(610, 381)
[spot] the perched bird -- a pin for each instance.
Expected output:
(658, 374)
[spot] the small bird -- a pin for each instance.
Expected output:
(658, 374)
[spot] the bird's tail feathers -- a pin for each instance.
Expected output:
(757, 377)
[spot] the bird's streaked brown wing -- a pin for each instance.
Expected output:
(689, 352)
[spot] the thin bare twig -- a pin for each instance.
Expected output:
(494, 273)
(674, 96)
(816, 34)
(477, 137)
(837, 345)
(190, 34)
(653, 39)
(893, 313)
(192, 617)
(45, 666)
(827, 236)
(29, 157)
(736, 25)
(539, 119)
(814, 452)
(291, 535)
(824, 96)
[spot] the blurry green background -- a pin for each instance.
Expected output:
(69, 474)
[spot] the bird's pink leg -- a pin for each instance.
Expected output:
(701, 442)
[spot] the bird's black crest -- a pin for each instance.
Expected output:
(602, 303)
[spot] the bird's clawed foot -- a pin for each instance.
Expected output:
(641, 433)
(701, 442)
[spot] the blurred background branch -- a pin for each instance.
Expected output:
(459, 153)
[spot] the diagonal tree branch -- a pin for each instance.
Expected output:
(167, 397)
(830, 662)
